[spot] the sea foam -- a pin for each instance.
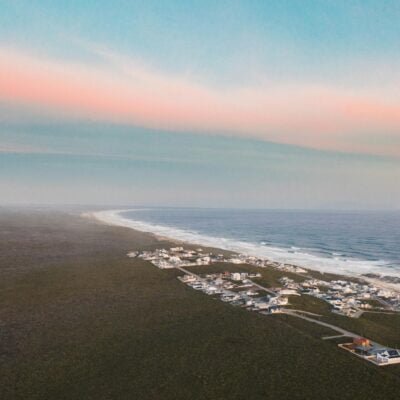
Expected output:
(295, 255)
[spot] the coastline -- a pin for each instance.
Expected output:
(82, 320)
(113, 217)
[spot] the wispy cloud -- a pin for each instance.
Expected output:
(20, 149)
(121, 90)
(9, 148)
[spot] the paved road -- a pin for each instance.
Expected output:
(332, 337)
(264, 288)
(342, 332)
(305, 312)
(325, 324)
(202, 279)
(190, 273)
(358, 313)
(382, 312)
(293, 313)
(384, 303)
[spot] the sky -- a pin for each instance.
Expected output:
(264, 104)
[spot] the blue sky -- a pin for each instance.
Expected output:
(282, 104)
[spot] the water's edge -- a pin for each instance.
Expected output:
(355, 268)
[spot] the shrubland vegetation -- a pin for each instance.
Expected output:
(79, 320)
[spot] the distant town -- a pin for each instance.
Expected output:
(350, 298)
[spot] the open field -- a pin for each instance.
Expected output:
(383, 328)
(79, 320)
(270, 276)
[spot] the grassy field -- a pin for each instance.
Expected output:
(383, 328)
(310, 304)
(79, 320)
(269, 276)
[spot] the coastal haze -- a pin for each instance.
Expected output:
(278, 104)
(199, 200)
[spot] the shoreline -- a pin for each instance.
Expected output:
(113, 217)
(80, 319)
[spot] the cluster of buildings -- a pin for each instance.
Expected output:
(346, 297)
(263, 263)
(237, 289)
(177, 257)
(372, 352)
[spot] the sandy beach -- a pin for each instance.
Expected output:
(79, 319)
(113, 217)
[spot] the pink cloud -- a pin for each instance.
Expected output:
(121, 90)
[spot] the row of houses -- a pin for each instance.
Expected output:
(170, 258)
(263, 263)
(343, 294)
(237, 289)
(346, 297)
(176, 257)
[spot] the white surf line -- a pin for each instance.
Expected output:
(113, 217)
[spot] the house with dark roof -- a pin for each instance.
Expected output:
(388, 356)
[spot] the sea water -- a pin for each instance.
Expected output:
(345, 242)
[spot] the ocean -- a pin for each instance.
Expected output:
(344, 242)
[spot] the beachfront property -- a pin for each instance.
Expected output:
(221, 285)
(236, 289)
(345, 297)
(175, 257)
(351, 298)
(348, 298)
(372, 352)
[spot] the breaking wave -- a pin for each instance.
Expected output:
(335, 262)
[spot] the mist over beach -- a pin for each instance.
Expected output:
(199, 200)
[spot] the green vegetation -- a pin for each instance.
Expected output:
(269, 276)
(79, 320)
(374, 303)
(310, 304)
(383, 328)
(304, 327)
(326, 276)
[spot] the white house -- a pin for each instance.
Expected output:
(388, 356)
(288, 292)
(236, 276)
(188, 278)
